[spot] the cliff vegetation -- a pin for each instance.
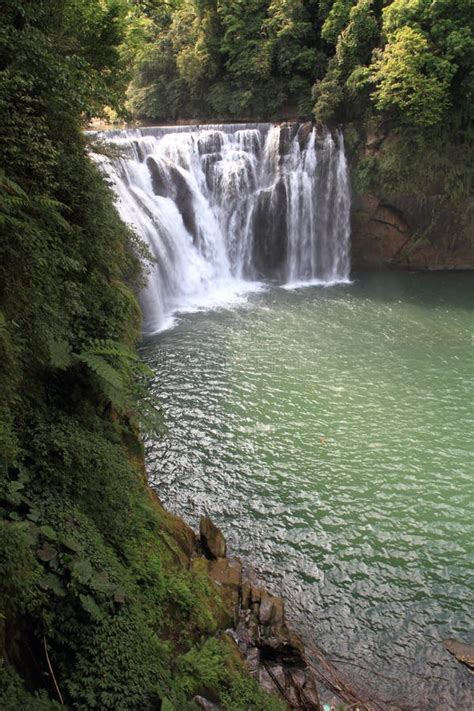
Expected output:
(99, 608)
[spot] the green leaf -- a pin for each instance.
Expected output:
(119, 597)
(71, 543)
(60, 354)
(46, 552)
(34, 515)
(101, 583)
(49, 533)
(82, 570)
(52, 583)
(91, 607)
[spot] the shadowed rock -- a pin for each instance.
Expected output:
(211, 142)
(287, 134)
(160, 181)
(212, 540)
(269, 226)
(167, 181)
(304, 132)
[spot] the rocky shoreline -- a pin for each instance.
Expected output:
(274, 653)
(255, 620)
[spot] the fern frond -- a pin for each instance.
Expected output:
(104, 370)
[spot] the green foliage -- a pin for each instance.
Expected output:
(207, 667)
(410, 81)
(327, 94)
(404, 70)
(92, 582)
(394, 170)
(226, 59)
(336, 20)
(90, 573)
(407, 62)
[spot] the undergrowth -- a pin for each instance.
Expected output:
(98, 607)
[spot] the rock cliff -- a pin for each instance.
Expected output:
(404, 233)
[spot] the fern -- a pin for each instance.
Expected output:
(17, 207)
(113, 349)
(110, 379)
(123, 378)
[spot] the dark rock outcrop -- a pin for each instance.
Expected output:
(287, 133)
(212, 541)
(269, 227)
(304, 132)
(210, 142)
(410, 233)
(404, 230)
(167, 181)
(256, 622)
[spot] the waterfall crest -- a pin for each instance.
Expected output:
(224, 206)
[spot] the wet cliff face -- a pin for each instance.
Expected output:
(409, 233)
(403, 229)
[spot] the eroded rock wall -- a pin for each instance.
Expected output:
(399, 229)
(409, 233)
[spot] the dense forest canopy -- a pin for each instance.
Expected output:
(399, 70)
(409, 61)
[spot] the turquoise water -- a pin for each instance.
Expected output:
(328, 431)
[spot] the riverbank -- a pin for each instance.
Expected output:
(255, 620)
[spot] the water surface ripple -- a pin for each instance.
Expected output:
(328, 431)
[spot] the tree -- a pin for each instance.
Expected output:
(411, 82)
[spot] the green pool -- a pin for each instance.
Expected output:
(328, 431)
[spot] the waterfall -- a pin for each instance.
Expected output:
(223, 207)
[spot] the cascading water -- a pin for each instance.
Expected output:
(222, 207)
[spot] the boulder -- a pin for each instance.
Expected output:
(463, 652)
(280, 643)
(253, 661)
(226, 574)
(226, 571)
(245, 595)
(278, 615)
(212, 540)
(265, 612)
(311, 696)
(271, 610)
(256, 594)
(298, 677)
